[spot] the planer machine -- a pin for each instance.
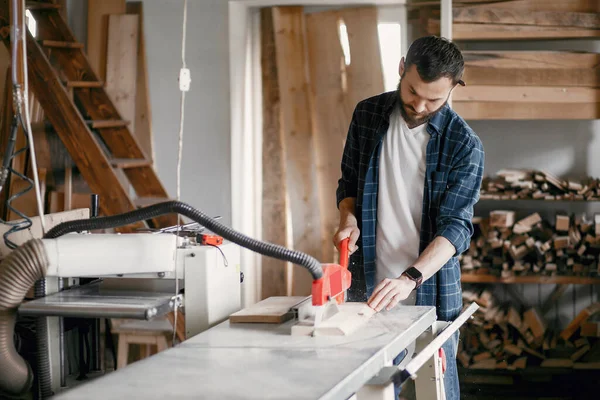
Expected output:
(312, 356)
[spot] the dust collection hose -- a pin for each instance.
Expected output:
(18, 272)
(28, 264)
(156, 210)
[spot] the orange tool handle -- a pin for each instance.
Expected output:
(344, 252)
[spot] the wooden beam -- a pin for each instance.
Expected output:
(296, 124)
(466, 31)
(98, 12)
(275, 273)
(526, 94)
(532, 68)
(143, 109)
(121, 64)
(475, 110)
(490, 15)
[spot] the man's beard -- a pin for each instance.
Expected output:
(414, 120)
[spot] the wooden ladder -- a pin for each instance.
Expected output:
(84, 117)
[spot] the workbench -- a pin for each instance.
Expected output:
(263, 361)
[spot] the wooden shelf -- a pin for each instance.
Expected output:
(546, 200)
(559, 280)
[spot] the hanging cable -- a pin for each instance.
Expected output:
(184, 86)
(28, 131)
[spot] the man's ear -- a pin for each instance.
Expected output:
(401, 69)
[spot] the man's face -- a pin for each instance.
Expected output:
(420, 101)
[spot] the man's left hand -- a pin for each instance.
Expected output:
(390, 292)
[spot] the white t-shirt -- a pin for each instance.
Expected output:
(400, 198)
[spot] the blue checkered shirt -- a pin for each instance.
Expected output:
(454, 171)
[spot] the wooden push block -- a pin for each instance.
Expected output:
(351, 316)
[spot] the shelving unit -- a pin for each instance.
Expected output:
(526, 279)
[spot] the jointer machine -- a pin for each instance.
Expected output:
(325, 349)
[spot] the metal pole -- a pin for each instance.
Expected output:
(96, 364)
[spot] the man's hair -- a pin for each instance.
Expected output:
(436, 57)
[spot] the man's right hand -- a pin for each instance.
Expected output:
(347, 230)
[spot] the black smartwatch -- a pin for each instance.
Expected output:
(414, 275)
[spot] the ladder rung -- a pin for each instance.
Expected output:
(62, 45)
(84, 84)
(40, 5)
(130, 163)
(149, 201)
(109, 123)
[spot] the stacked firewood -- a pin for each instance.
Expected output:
(505, 247)
(503, 337)
(537, 185)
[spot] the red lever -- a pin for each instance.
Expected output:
(344, 252)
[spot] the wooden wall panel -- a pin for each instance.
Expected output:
(97, 37)
(143, 113)
(330, 115)
(121, 65)
(297, 131)
(275, 273)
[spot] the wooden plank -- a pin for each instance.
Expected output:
(491, 15)
(364, 74)
(517, 111)
(272, 310)
(526, 94)
(584, 6)
(35, 231)
(57, 201)
(143, 109)
(275, 273)
(72, 130)
(561, 280)
(61, 45)
(329, 113)
(532, 68)
(465, 31)
(121, 64)
(97, 37)
(579, 319)
(296, 124)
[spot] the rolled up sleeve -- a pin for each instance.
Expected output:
(348, 183)
(455, 216)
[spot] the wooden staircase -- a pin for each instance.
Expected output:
(79, 109)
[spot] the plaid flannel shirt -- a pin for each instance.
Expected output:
(454, 171)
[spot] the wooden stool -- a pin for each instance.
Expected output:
(145, 333)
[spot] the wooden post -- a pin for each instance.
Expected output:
(296, 124)
(275, 273)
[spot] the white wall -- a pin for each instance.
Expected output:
(206, 172)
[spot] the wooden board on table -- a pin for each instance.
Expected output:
(97, 37)
(276, 274)
(351, 316)
(121, 64)
(297, 127)
(143, 113)
(532, 68)
(273, 310)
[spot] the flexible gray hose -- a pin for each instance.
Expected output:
(18, 273)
